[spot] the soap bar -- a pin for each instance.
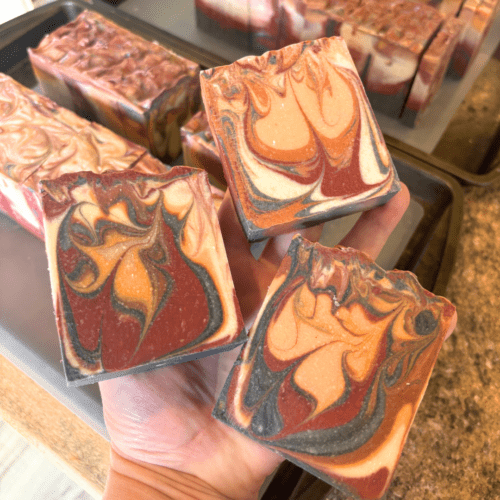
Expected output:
(431, 71)
(387, 40)
(134, 87)
(477, 16)
(336, 365)
(199, 149)
(297, 138)
(303, 20)
(229, 21)
(138, 271)
(41, 140)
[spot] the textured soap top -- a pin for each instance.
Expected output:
(138, 270)
(114, 58)
(337, 363)
(41, 140)
(296, 134)
(402, 22)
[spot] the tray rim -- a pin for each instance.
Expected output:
(456, 216)
(444, 166)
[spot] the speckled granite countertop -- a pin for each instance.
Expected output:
(453, 450)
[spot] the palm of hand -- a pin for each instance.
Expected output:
(164, 417)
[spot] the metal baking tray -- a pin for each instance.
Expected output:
(424, 242)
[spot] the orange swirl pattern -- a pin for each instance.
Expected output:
(298, 140)
(40, 140)
(138, 271)
(337, 363)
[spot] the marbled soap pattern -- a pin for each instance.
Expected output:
(338, 361)
(138, 271)
(135, 87)
(298, 141)
(41, 140)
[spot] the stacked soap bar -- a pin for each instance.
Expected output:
(477, 16)
(431, 71)
(250, 24)
(136, 88)
(387, 41)
(337, 363)
(391, 41)
(198, 147)
(297, 138)
(40, 140)
(138, 270)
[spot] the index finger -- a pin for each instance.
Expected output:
(372, 229)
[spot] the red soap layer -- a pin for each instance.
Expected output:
(138, 271)
(337, 363)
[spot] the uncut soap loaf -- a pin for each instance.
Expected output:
(41, 140)
(337, 363)
(135, 87)
(138, 270)
(297, 138)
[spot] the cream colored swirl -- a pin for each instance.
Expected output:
(40, 140)
(297, 134)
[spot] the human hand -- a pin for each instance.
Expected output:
(161, 420)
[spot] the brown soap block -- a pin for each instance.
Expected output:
(134, 87)
(229, 21)
(431, 71)
(386, 41)
(297, 138)
(199, 149)
(41, 140)
(477, 16)
(303, 20)
(138, 270)
(337, 362)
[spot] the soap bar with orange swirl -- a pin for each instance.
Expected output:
(336, 365)
(198, 147)
(298, 141)
(41, 140)
(135, 87)
(138, 271)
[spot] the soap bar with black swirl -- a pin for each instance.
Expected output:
(138, 271)
(336, 365)
(137, 88)
(298, 141)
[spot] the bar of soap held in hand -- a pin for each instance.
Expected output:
(336, 365)
(138, 271)
(298, 141)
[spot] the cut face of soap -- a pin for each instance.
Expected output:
(336, 365)
(138, 270)
(297, 138)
